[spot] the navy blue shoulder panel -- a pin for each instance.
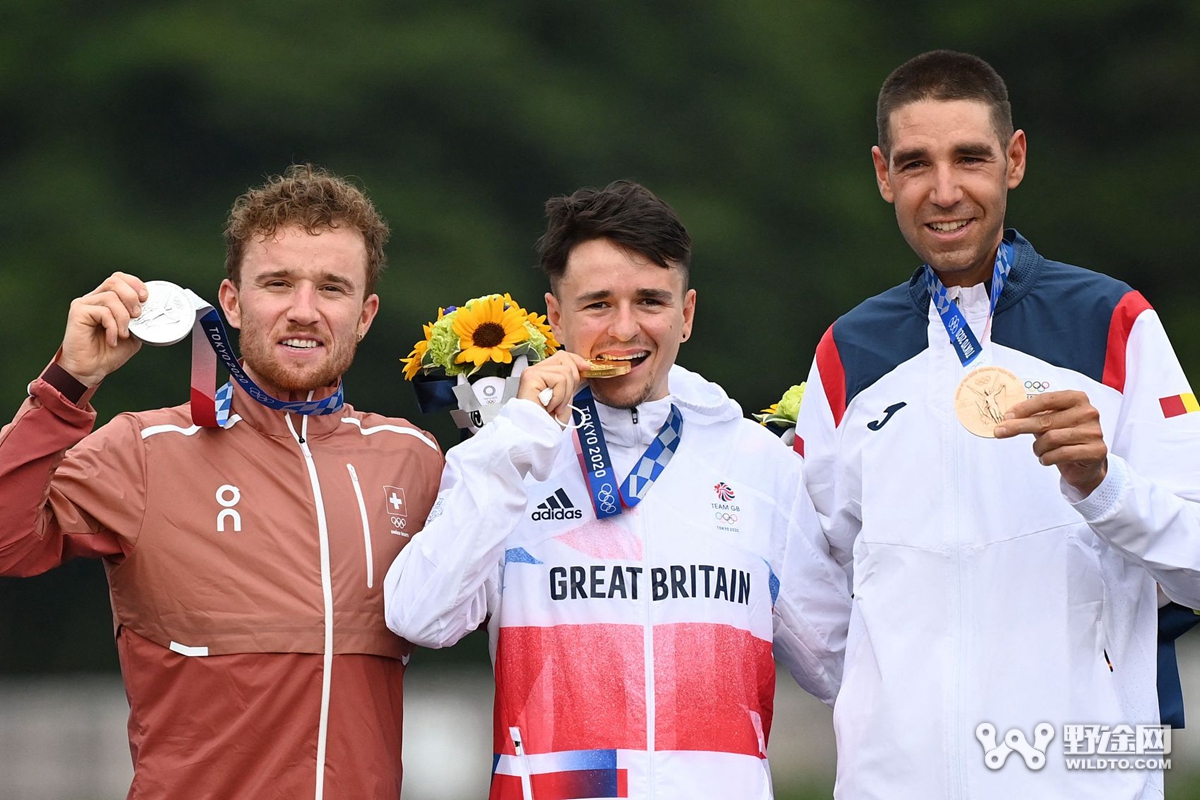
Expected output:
(877, 336)
(1063, 319)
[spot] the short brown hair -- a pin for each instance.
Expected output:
(627, 214)
(312, 198)
(944, 75)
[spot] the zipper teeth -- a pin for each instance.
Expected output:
(327, 599)
(366, 525)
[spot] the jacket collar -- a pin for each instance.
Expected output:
(1027, 266)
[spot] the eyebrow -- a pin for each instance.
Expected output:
(973, 149)
(324, 277)
(662, 295)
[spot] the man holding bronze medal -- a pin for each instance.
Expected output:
(1005, 585)
(638, 549)
(246, 534)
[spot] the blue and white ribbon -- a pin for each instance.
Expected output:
(963, 339)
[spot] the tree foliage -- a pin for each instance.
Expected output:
(131, 127)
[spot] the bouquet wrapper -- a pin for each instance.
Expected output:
(478, 401)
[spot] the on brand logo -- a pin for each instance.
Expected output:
(228, 496)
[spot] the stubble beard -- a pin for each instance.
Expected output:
(257, 352)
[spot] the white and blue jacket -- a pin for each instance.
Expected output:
(984, 590)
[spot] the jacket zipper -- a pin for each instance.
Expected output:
(648, 644)
(366, 525)
(327, 599)
(514, 733)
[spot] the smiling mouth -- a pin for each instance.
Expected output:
(948, 227)
(301, 344)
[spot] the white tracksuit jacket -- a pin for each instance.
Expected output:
(984, 591)
(633, 656)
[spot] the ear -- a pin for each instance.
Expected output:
(554, 317)
(369, 310)
(228, 297)
(1016, 159)
(689, 312)
(882, 178)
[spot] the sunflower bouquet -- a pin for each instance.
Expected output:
(472, 356)
(780, 417)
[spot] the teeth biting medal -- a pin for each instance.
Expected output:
(603, 368)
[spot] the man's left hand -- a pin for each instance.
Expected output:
(1066, 433)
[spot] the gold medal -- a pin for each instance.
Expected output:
(599, 368)
(984, 397)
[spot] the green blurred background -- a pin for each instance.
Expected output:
(129, 128)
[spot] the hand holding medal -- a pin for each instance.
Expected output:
(1066, 434)
(97, 341)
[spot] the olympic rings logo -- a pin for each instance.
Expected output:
(1037, 386)
(726, 517)
(399, 522)
(608, 501)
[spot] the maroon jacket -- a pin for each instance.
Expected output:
(246, 567)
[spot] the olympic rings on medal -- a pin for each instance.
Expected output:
(1037, 386)
(726, 517)
(606, 498)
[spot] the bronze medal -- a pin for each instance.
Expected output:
(983, 398)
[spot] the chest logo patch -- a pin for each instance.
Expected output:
(397, 509)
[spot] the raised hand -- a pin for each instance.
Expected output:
(555, 382)
(97, 341)
(1066, 433)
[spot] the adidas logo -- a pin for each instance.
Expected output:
(556, 506)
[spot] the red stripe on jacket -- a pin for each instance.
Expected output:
(833, 375)
(1124, 315)
(583, 687)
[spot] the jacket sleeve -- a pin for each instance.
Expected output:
(438, 588)
(66, 493)
(1148, 506)
(812, 611)
(831, 481)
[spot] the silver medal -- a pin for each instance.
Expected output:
(167, 315)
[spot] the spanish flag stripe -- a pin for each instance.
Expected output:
(1179, 404)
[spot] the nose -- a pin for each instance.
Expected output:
(303, 308)
(946, 190)
(623, 325)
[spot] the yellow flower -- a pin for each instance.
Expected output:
(412, 364)
(769, 411)
(539, 321)
(488, 331)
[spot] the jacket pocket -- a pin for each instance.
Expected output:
(366, 525)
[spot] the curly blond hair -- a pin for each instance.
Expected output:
(312, 198)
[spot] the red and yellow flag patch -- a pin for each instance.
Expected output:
(1178, 404)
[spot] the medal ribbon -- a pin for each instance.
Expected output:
(962, 338)
(210, 409)
(607, 500)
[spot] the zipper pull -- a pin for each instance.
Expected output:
(633, 411)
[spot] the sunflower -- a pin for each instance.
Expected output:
(538, 321)
(412, 364)
(769, 411)
(487, 331)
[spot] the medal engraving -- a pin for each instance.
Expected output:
(983, 398)
(599, 368)
(167, 315)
